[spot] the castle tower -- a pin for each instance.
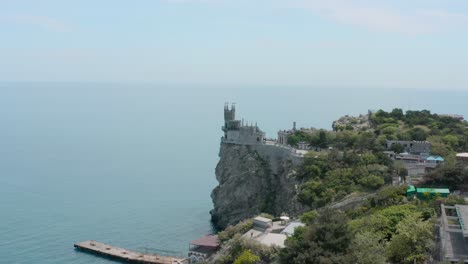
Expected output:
(229, 114)
(230, 122)
(238, 131)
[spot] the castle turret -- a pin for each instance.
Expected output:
(236, 132)
(284, 134)
(230, 122)
(229, 114)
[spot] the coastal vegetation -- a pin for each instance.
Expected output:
(450, 174)
(386, 229)
(446, 134)
(355, 156)
(232, 230)
(386, 226)
(330, 176)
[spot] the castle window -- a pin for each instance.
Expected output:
(258, 139)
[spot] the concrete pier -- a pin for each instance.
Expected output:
(126, 255)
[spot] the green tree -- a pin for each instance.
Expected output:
(397, 113)
(389, 130)
(325, 241)
(368, 158)
(403, 135)
(232, 230)
(449, 174)
(332, 233)
(439, 148)
(450, 140)
(400, 168)
(310, 192)
(322, 141)
(366, 140)
(246, 257)
(413, 241)
(297, 137)
(452, 200)
(368, 248)
(309, 217)
(389, 195)
(418, 134)
(374, 223)
(383, 221)
(371, 181)
(397, 148)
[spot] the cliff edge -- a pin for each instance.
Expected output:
(254, 179)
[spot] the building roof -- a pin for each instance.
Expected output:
(409, 141)
(462, 212)
(432, 190)
(206, 241)
(289, 230)
(272, 239)
(435, 158)
(462, 155)
(407, 156)
(453, 236)
(263, 219)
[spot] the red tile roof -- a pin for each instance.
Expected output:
(207, 241)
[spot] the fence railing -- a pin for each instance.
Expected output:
(268, 142)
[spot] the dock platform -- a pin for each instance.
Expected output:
(126, 255)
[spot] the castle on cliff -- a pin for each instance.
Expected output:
(236, 132)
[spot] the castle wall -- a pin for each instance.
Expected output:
(233, 135)
(283, 137)
(250, 135)
(271, 151)
(412, 146)
(245, 135)
(274, 153)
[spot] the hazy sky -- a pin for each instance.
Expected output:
(393, 43)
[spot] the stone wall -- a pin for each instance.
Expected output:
(247, 135)
(411, 146)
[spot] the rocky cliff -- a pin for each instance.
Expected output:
(254, 179)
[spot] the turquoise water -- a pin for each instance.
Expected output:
(133, 165)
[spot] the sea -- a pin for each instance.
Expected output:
(133, 164)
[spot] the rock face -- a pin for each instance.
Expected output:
(254, 179)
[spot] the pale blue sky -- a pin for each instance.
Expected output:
(349, 43)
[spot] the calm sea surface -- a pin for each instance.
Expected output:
(133, 165)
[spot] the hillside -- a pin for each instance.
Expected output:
(348, 162)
